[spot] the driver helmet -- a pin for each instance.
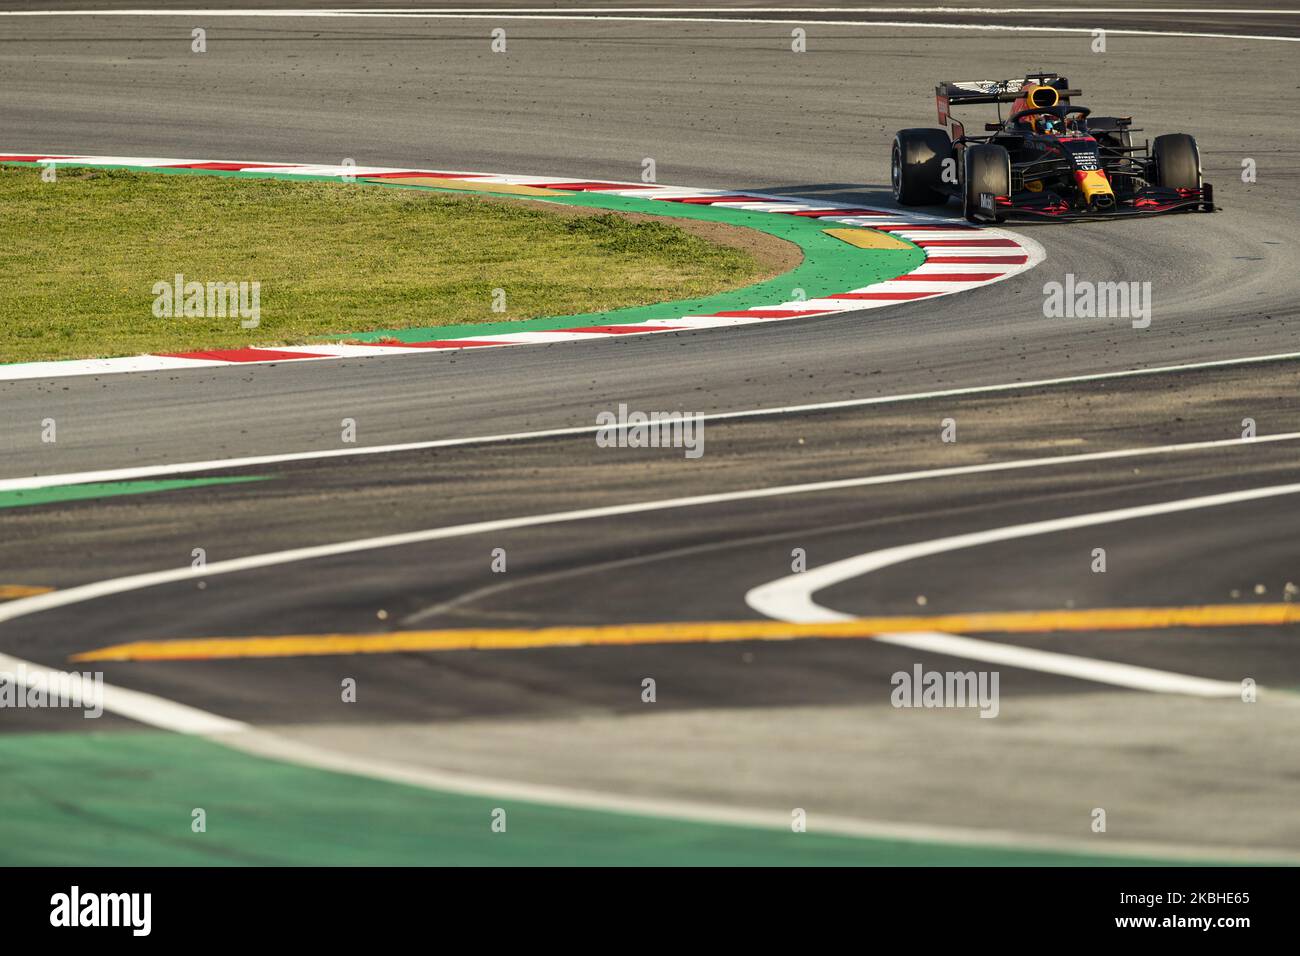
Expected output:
(1050, 125)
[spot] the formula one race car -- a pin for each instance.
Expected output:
(1047, 160)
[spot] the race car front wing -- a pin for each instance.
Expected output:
(1040, 206)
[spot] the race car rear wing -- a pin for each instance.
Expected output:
(950, 93)
(971, 92)
(962, 92)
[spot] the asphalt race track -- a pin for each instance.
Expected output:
(741, 726)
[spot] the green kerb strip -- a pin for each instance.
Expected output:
(111, 489)
(126, 798)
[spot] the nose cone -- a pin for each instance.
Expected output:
(1096, 188)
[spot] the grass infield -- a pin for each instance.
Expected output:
(85, 252)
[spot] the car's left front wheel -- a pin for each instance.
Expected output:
(986, 177)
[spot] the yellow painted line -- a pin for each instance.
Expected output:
(868, 238)
(472, 185)
(10, 592)
(396, 642)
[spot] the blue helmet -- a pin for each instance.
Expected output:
(1051, 125)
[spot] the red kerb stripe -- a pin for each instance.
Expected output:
(977, 260)
(949, 277)
(622, 329)
(766, 313)
(403, 174)
(588, 187)
(882, 295)
(707, 200)
(839, 213)
(450, 344)
(980, 243)
(244, 355)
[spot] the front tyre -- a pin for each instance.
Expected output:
(1176, 161)
(916, 166)
(986, 175)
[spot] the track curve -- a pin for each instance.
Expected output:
(726, 106)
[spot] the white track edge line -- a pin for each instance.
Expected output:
(86, 592)
(790, 598)
(177, 468)
(438, 15)
(170, 715)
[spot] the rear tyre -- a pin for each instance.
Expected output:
(986, 170)
(916, 166)
(1176, 161)
(1108, 132)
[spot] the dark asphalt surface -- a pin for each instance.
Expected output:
(740, 724)
(730, 110)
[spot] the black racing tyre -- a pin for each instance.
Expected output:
(916, 166)
(986, 168)
(1176, 161)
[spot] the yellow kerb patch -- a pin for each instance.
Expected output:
(868, 238)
